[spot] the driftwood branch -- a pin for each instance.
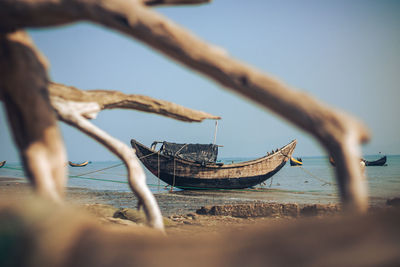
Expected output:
(23, 84)
(36, 131)
(339, 133)
(75, 106)
(16, 14)
(173, 2)
(107, 99)
(73, 113)
(68, 237)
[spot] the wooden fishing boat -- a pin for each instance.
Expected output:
(379, 162)
(296, 161)
(82, 164)
(187, 173)
(2, 163)
(332, 161)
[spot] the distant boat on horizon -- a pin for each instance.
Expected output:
(378, 162)
(296, 161)
(82, 164)
(194, 166)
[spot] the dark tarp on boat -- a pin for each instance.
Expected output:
(195, 152)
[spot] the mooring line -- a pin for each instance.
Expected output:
(158, 185)
(98, 179)
(319, 179)
(80, 176)
(113, 166)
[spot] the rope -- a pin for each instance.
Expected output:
(319, 179)
(173, 181)
(80, 176)
(11, 168)
(116, 165)
(148, 155)
(113, 166)
(180, 149)
(286, 156)
(98, 179)
(157, 185)
(158, 171)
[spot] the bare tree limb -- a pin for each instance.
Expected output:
(113, 99)
(72, 113)
(339, 133)
(16, 14)
(73, 106)
(34, 126)
(174, 2)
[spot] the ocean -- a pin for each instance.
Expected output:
(314, 179)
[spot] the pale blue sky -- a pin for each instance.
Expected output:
(345, 53)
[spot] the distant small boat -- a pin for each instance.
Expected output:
(2, 163)
(332, 162)
(379, 162)
(82, 164)
(296, 161)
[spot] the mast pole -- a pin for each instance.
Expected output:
(215, 131)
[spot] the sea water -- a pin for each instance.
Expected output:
(315, 177)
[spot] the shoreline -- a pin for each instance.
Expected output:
(180, 202)
(190, 214)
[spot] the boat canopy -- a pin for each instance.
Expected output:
(201, 153)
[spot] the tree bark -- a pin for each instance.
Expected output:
(71, 113)
(108, 99)
(339, 133)
(23, 88)
(173, 2)
(35, 129)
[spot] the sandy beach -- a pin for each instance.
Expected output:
(182, 209)
(177, 202)
(203, 228)
(174, 205)
(179, 208)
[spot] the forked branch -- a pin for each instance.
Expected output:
(173, 2)
(107, 99)
(73, 113)
(340, 134)
(23, 89)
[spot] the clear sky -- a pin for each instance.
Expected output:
(345, 53)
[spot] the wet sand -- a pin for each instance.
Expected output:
(173, 203)
(180, 202)
(180, 207)
(86, 232)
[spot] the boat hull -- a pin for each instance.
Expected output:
(2, 163)
(215, 183)
(295, 162)
(83, 164)
(379, 162)
(190, 175)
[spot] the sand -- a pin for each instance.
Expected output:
(182, 209)
(233, 229)
(179, 207)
